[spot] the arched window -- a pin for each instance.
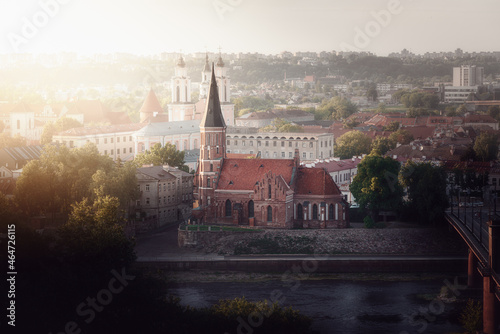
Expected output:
(250, 209)
(228, 208)
(208, 182)
(315, 211)
(300, 212)
(195, 144)
(186, 99)
(177, 94)
(269, 214)
(269, 191)
(330, 212)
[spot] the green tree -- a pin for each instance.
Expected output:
(426, 185)
(486, 146)
(281, 125)
(494, 111)
(8, 141)
(371, 93)
(161, 155)
(393, 126)
(471, 317)
(62, 124)
(352, 143)
(336, 108)
(401, 136)
(376, 185)
(380, 145)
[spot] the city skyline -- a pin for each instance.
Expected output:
(153, 26)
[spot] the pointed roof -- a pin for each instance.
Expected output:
(213, 114)
(220, 62)
(206, 68)
(180, 62)
(151, 104)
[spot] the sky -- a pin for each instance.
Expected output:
(147, 27)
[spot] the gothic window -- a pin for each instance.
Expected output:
(269, 191)
(228, 208)
(208, 182)
(269, 214)
(315, 211)
(250, 209)
(211, 167)
(330, 212)
(300, 212)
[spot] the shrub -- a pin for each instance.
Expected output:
(369, 222)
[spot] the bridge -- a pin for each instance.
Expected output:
(480, 228)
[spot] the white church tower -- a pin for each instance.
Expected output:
(181, 108)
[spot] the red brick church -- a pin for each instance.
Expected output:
(275, 193)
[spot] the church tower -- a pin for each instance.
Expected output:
(224, 84)
(181, 108)
(205, 79)
(212, 150)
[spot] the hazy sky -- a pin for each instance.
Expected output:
(266, 26)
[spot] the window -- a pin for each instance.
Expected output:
(147, 200)
(124, 150)
(242, 143)
(130, 150)
(117, 139)
(304, 155)
(105, 152)
(211, 167)
(250, 209)
(315, 211)
(164, 187)
(269, 191)
(282, 143)
(228, 208)
(259, 143)
(112, 152)
(208, 182)
(269, 214)
(311, 155)
(289, 154)
(130, 138)
(300, 213)
(275, 154)
(147, 187)
(267, 142)
(282, 154)
(124, 138)
(275, 143)
(105, 140)
(251, 142)
(311, 144)
(111, 140)
(228, 142)
(289, 144)
(235, 142)
(330, 212)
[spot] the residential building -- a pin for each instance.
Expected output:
(165, 196)
(468, 75)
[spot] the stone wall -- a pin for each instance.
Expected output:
(200, 239)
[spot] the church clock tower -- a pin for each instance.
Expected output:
(181, 108)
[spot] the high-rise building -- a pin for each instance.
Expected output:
(468, 75)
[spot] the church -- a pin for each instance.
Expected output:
(270, 193)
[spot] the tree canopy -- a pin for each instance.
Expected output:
(335, 109)
(426, 185)
(352, 143)
(486, 146)
(161, 155)
(376, 185)
(281, 125)
(62, 124)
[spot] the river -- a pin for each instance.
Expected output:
(344, 306)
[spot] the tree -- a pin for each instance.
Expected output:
(335, 108)
(494, 111)
(352, 143)
(161, 155)
(376, 185)
(486, 146)
(371, 93)
(62, 124)
(401, 136)
(8, 141)
(393, 126)
(281, 125)
(380, 145)
(426, 185)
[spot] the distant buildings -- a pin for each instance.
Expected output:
(468, 75)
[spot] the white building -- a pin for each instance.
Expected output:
(458, 94)
(468, 75)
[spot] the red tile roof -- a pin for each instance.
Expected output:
(242, 174)
(479, 119)
(151, 104)
(315, 181)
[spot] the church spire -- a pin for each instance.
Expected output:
(213, 114)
